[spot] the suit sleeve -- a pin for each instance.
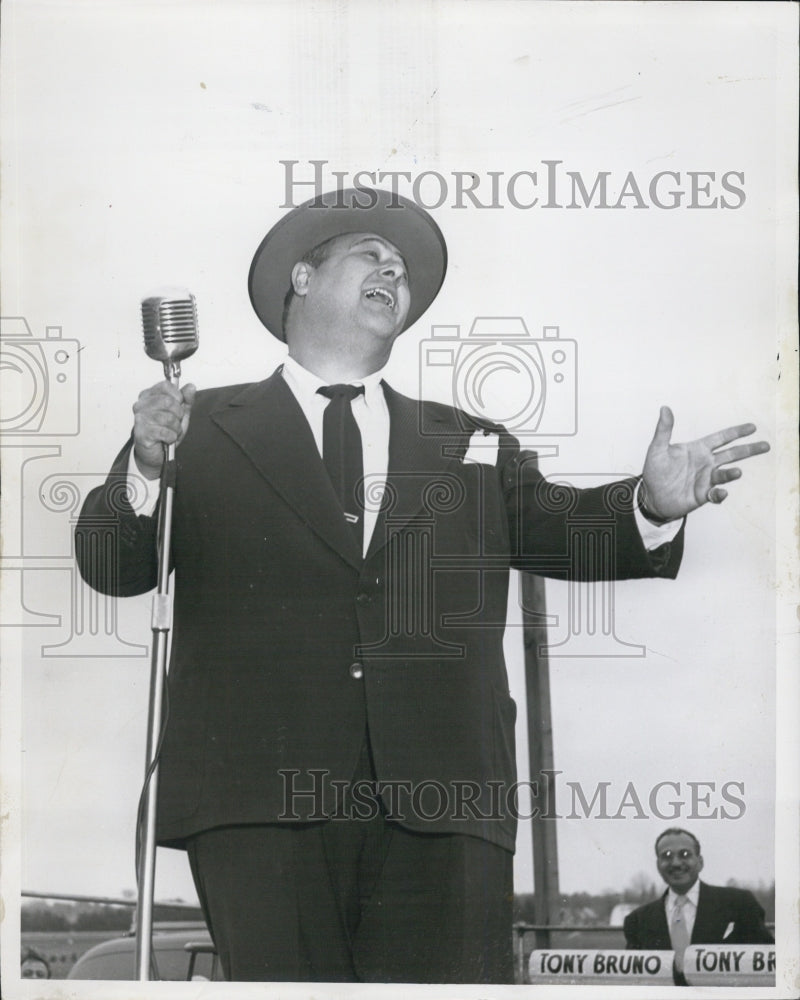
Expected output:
(561, 531)
(631, 928)
(115, 549)
(750, 926)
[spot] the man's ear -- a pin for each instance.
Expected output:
(301, 273)
(700, 862)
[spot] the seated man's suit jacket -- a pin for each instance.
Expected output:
(274, 606)
(719, 910)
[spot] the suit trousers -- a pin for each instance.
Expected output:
(350, 900)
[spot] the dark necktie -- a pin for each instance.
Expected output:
(342, 454)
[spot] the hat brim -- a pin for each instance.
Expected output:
(350, 210)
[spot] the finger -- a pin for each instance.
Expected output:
(739, 452)
(157, 403)
(663, 430)
(158, 434)
(165, 387)
(719, 438)
(188, 392)
(161, 391)
(725, 476)
(161, 418)
(716, 495)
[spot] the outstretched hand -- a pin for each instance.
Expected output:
(678, 478)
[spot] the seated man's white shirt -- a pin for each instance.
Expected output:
(689, 908)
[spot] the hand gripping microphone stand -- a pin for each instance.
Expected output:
(169, 321)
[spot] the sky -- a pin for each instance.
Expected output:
(155, 144)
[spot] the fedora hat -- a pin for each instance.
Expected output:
(348, 210)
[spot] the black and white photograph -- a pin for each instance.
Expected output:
(400, 499)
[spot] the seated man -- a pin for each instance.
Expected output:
(691, 912)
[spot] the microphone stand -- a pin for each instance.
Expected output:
(161, 622)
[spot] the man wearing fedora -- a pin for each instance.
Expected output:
(340, 741)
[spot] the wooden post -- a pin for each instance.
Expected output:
(540, 756)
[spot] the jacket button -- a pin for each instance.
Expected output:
(356, 671)
(363, 598)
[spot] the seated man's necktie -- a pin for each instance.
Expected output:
(679, 931)
(342, 453)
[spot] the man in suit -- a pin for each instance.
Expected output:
(691, 912)
(340, 738)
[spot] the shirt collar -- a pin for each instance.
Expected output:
(692, 896)
(306, 383)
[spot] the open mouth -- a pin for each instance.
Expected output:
(382, 295)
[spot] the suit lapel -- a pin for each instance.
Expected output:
(266, 422)
(660, 927)
(415, 460)
(703, 929)
(268, 425)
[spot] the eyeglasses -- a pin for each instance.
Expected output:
(684, 854)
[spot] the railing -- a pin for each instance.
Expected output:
(73, 897)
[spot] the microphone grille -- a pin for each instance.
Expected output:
(169, 323)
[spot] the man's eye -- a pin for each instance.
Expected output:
(669, 855)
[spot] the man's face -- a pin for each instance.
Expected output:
(679, 863)
(362, 285)
(32, 968)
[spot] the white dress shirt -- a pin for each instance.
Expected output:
(689, 908)
(372, 417)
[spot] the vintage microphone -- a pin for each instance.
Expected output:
(169, 322)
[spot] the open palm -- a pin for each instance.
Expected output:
(678, 478)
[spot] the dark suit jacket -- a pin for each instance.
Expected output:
(717, 907)
(273, 605)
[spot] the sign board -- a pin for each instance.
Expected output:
(730, 965)
(562, 966)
